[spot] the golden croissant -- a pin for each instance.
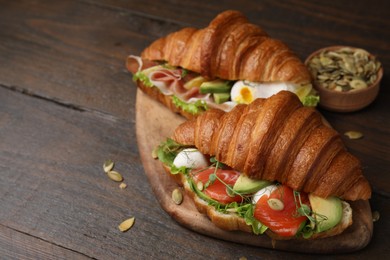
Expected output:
(236, 57)
(230, 48)
(278, 139)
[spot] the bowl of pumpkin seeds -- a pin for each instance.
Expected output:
(347, 78)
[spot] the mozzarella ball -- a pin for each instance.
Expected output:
(264, 191)
(190, 158)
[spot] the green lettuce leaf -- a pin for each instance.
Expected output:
(178, 170)
(246, 212)
(192, 108)
(311, 100)
(167, 151)
(143, 78)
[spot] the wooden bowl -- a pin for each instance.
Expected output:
(348, 101)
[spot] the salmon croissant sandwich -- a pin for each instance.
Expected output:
(272, 167)
(229, 62)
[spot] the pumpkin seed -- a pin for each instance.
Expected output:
(354, 68)
(360, 70)
(375, 216)
(361, 54)
(342, 82)
(323, 76)
(200, 186)
(358, 84)
(275, 204)
(372, 79)
(369, 66)
(325, 61)
(353, 134)
(177, 196)
(122, 185)
(115, 176)
(108, 165)
(334, 54)
(126, 225)
(349, 65)
(154, 153)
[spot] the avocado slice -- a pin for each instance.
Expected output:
(245, 185)
(220, 98)
(195, 82)
(327, 212)
(215, 86)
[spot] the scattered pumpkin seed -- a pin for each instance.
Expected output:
(354, 68)
(177, 196)
(353, 134)
(375, 216)
(108, 165)
(115, 176)
(122, 185)
(126, 225)
(275, 204)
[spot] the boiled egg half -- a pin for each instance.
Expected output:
(245, 92)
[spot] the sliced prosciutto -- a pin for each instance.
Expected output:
(172, 80)
(136, 63)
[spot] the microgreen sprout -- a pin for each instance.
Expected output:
(302, 209)
(313, 217)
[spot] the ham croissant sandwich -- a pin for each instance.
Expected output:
(271, 166)
(229, 62)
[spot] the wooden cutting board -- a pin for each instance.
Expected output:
(154, 123)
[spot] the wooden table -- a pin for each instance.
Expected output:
(67, 104)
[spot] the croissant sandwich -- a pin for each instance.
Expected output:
(229, 62)
(272, 167)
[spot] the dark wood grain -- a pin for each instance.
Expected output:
(73, 51)
(17, 245)
(67, 104)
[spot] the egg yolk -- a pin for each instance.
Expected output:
(246, 96)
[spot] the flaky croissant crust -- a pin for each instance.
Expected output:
(278, 139)
(230, 48)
